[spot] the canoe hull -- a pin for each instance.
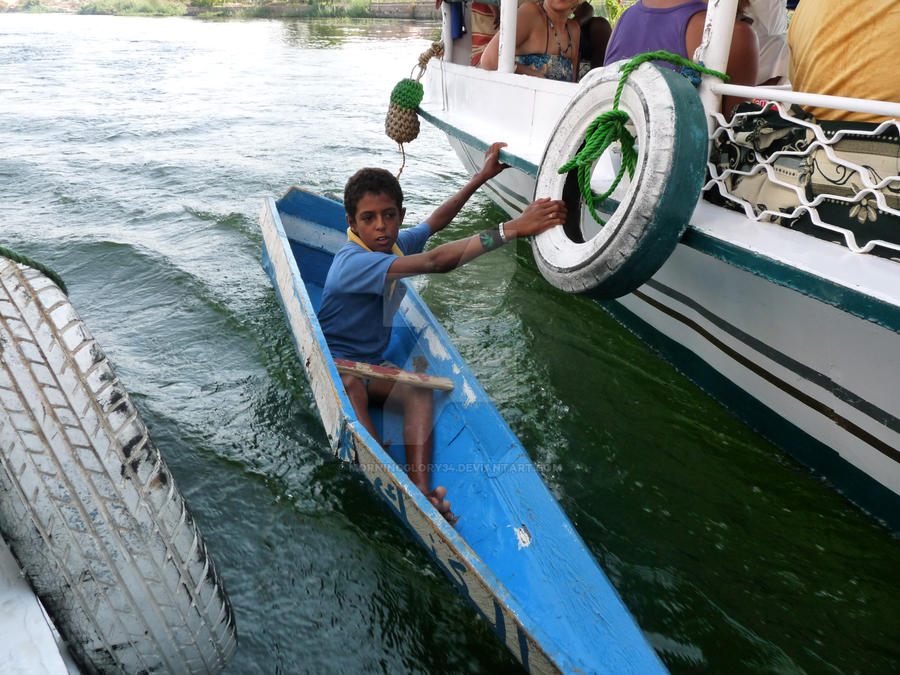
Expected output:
(517, 615)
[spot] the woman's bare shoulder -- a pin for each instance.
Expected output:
(529, 10)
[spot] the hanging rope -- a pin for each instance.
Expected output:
(40, 267)
(610, 127)
(402, 121)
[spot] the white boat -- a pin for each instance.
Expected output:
(29, 643)
(799, 336)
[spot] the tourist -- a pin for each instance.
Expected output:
(846, 50)
(768, 18)
(676, 26)
(485, 24)
(547, 41)
(595, 32)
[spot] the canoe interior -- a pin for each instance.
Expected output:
(508, 518)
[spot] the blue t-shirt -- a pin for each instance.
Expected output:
(358, 308)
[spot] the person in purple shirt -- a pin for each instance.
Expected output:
(361, 292)
(677, 27)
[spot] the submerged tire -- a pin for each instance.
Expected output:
(87, 505)
(646, 215)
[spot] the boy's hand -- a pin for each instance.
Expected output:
(492, 164)
(537, 217)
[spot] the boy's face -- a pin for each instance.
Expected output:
(377, 221)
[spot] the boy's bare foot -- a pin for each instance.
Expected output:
(436, 497)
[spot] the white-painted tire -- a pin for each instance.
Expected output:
(87, 505)
(645, 215)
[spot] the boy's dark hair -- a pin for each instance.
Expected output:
(377, 181)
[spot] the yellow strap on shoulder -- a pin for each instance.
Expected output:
(352, 236)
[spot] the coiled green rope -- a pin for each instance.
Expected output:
(40, 267)
(610, 127)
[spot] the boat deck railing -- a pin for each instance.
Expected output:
(833, 180)
(777, 163)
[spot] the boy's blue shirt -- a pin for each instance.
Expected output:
(355, 314)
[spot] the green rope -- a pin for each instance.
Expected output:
(40, 267)
(610, 127)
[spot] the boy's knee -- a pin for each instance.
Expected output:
(355, 388)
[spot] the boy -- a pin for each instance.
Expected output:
(361, 292)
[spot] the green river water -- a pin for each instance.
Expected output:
(134, 157)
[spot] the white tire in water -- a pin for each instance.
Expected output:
(87, 504)
(645, 216)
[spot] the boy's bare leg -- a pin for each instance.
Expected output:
(418, 419)
(359, 399)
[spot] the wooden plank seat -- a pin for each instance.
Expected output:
(423, 380)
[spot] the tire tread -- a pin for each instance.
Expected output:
(90, 509)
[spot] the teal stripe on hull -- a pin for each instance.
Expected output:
(846, 299)
(475, 142)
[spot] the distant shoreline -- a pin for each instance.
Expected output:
(415, 9)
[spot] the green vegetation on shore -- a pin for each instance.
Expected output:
(31, 7)
(134, 7)
(353, 9)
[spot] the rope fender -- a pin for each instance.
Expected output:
(402, 121)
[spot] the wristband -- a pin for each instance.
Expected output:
(491, 239)
(502, 233)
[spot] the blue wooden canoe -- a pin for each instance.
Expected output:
(514, 555)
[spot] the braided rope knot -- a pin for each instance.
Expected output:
(408, 94)
(610, 127)
(40, 267)
(601, 133)
(436, 49)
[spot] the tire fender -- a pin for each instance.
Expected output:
(87, 505)
(646, 214)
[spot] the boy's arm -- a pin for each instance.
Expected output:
(448, 210)
(536, 218)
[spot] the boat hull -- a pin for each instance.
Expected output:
(796, 369)
(28, 641)
(796, 336)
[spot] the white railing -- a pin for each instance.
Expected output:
(873, 193)
(861, 105)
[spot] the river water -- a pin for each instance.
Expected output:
(134, 157)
